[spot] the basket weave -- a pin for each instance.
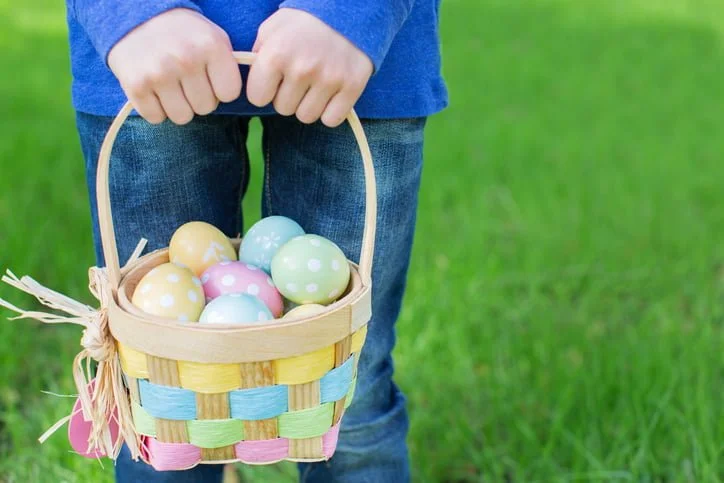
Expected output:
(256, 394)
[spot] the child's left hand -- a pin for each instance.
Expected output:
(306, 68)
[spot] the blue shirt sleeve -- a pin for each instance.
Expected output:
(371, 25)
(108, 21)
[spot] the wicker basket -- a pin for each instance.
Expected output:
(256, 394)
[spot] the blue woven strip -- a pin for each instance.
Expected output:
(258, 403)
(335, 384)
(167, 402)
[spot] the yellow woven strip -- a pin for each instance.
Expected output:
(305, 368)
(358, 339)
(133, 362)
(144, 422)
(209, 378)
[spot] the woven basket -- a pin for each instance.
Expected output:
(256, 394)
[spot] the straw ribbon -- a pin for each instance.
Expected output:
(107, 399)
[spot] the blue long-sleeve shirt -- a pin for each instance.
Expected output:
(399, 36)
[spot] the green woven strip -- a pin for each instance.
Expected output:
(306, 423)
(144, 422)
(215, 433)
(350, 393)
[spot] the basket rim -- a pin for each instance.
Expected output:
(234, 343)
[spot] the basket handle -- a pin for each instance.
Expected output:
(105, 216)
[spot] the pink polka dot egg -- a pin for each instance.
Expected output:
(239, 277)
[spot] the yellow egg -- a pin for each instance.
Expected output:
(302, 311)
(170, 291)
(199, 245)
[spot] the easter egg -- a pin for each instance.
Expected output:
(264, 239)
(240, 277)
(310, 269)
(236, 308)
(302, 311)
(198, 245)
(170, 291)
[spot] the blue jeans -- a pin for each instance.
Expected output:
(165, 175)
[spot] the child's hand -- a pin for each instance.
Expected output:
(306, 67)
(175, 65)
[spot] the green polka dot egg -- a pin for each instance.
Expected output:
(310, 269)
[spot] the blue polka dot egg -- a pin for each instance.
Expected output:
(265, 238)
(236, 308)
(310, 269)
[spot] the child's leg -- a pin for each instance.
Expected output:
(314, 175)
(161, 177)
(165, 175)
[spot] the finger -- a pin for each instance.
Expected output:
(224, 75)
(148, 107)
(175, 103)
(289, 96)
(339, 107)
(314, 103)
(263, 82)
(198, 91)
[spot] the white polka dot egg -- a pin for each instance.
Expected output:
(240, 277)
(170, 291)
(265, 238)
(199, 245)
(310, 269)
(236, 308)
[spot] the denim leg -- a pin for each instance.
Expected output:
(161, 177)
(314, 175)
(164, 175)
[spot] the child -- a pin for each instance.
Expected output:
(184, 158)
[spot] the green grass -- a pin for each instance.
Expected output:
(564, 317)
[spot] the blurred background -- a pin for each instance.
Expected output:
(564, 314)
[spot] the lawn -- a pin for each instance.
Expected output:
(564, 318)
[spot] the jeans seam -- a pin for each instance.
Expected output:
(267, 172)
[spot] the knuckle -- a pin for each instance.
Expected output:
(206, 43)
(137, 87)
(334, 79)
(155, 77)
(277, 60)
(219, 36)
(303, 71)
(187, 62)
(355, 84)
(264, 29)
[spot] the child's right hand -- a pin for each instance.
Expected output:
(174, 65)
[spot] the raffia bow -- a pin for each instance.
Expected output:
(108, 398)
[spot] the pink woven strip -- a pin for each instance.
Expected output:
(181, 456)
(263, 451)
(172, 456)
(329, 441)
